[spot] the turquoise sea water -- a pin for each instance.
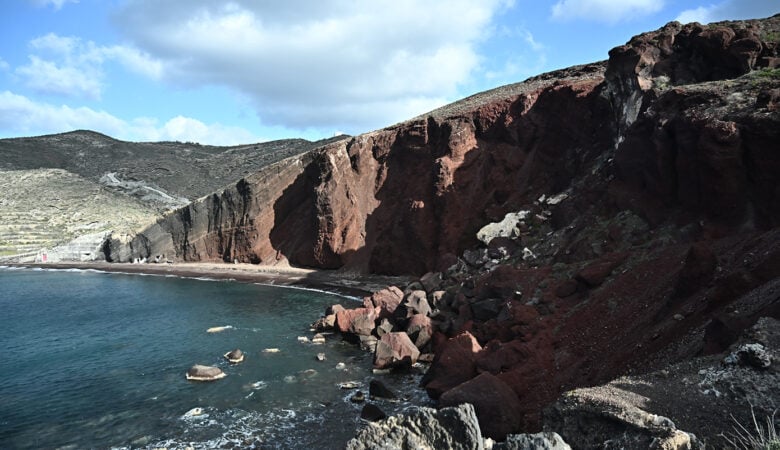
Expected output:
(95, 360)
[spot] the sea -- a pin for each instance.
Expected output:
(98, 360)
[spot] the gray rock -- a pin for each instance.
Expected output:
(205, 373)
(431, 281)
(539, 441)
(235, 356)
(755, 355)
(609, 418)
(423, 428)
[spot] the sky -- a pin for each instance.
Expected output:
(239, 72)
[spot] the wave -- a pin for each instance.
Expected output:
(320, 291)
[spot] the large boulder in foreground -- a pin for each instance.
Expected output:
(495, 403)
(205, 373)
(395, 350)
(423, 428)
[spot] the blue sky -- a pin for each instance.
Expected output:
(230, 72)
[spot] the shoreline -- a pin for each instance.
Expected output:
(340, 283)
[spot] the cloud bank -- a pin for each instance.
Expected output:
(331, 64)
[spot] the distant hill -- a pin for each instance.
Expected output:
(57, 187)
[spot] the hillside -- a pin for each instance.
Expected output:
(59, 187)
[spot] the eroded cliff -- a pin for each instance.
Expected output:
(674, 127)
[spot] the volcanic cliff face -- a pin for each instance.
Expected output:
(646, 198)
(657, 131)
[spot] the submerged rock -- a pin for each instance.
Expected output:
(235, 356)
(205, 373)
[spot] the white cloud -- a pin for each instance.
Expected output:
(57, 4)
(730, 10)
(323, 64)
(48, 77)
(608, 11)
(21, 116)
(72, 67)
(4, 66)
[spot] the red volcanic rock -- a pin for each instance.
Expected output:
(496, 405)
(358, 321)
(387, 300)
(420, 330)
(395, 350)
(453, 364)
(596, 272)
(566, 288)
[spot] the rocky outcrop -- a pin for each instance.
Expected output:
(453, 428)
(649, 411)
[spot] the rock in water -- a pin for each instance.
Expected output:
(451, 428)
(372, 413)
(205, 373)
(378, 389)
(235, 356)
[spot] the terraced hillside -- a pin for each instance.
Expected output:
(45, 207)
(56, 188)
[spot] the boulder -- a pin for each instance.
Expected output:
(539, 441)
(487, 309)
(454, 363)
(420, 330)
(378, 389)
(318, 339)
(431, 281)
(205, 373)
(387, 300)
(358, 397)
(395, 350)
(234, 356)
(358, 321)
(333, 309)
(423, 428)
(325, 323)
(372, 413)
(591, 417)
(414, 303)
(384, 327)
(495, 403)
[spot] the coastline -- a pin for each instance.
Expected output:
(342, 283)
